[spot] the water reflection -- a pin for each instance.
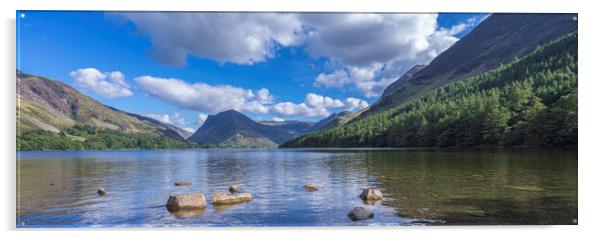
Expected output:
(58, 189)
(480, 186)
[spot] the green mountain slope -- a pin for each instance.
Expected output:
(48, 110)
(497, 40)
(529, 102)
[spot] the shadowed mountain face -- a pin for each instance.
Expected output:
(497, 40)
(331, 121)
(399, 82)
(53, 106)
(232, 128)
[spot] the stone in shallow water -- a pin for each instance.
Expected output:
(360, 213)
(188, 213)
(372, 202)
(183, 183)
(220, 198)
(186, 202)
(101, 192)
(310, 187)
(371, 194)
(234, 189)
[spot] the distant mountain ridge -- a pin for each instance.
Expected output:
(234, 129)
(497, 40)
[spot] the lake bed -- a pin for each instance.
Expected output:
(420, 186)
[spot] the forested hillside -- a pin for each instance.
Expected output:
(528, 102)
(497, 40)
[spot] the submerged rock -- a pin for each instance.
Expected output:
(360, 213)
(220, 198)
(373, 202)
(186, 202)
(188, 213)
(183, 183)
(310, 187)
(233, 189)
(371, 194)
(101, 192)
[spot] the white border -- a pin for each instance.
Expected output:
(589, 118)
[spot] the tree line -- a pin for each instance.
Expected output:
(85, 137)
(528, 102)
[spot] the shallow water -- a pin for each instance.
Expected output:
(421, 186)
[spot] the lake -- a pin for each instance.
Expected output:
(420, 187)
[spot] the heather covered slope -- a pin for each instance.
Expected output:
(48, 109)
(529, 102)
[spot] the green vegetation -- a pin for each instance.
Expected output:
(85, 137)
(529, 102)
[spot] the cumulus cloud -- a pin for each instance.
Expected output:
(368, 80)
(204, 97)
(107, 84)
(373, 75)
(367, 50)
(316, 106)
(247, 38)
(278, 119)
(225, 37)
(173, 119)
(160, 117)
(202, 118)
(363, 39)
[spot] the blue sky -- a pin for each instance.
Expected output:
(180, 67)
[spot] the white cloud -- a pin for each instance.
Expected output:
(160, 117)
(372, 77)
(368, 50)
(203, 97)
(173, 119)
(316, 106)
(107, 84)
(354, 104)
(225, 37)
(368, 80)
(202, 118)
(337, 79)
(364, 39)
(278, 119)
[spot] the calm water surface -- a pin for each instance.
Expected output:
(421, 186)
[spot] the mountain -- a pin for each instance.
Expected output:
(402, 79)
(531, 101)
(497, 40)
(331, 121)
(52, 106)
(234, 129)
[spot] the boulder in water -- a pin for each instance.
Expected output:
(310, 187)
(233, 189)
(183, 183)
(186, 202)
(101, 192)
(221, 198)
(371, 194)
(360, 213)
